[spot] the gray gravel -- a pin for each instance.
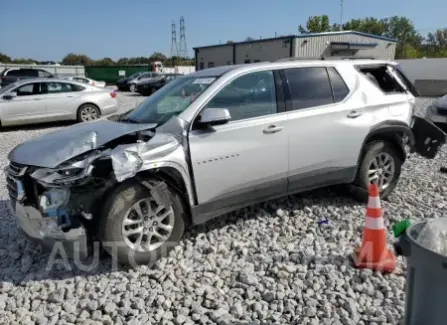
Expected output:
(269, 264)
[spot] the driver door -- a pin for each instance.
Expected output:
(245, 160)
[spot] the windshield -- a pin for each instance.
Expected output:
(170, 100)
(7, 88)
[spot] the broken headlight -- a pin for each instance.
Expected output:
(53, 199)
(70, 172)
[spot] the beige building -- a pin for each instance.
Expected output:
(343, 43)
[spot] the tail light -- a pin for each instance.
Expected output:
(113, 94)
(3, 77)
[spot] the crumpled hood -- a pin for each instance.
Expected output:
(54, 148)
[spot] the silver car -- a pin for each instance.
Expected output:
(43, 100)
(87, 81)
(214, 141)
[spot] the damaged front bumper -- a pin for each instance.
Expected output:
(46, 230)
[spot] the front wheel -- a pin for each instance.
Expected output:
(137, 230)
(380, 165)
(133, 88)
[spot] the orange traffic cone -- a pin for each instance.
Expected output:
(374, 253)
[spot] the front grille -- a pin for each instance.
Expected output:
(16, 170)
(14, 174)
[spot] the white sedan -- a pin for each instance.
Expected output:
(88, 81)
(32, 101)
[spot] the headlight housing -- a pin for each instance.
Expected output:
(53, 199)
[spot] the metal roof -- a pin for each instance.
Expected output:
(383, 38)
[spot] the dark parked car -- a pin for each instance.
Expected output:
(11, 75)
(149, 87)
(130, 82)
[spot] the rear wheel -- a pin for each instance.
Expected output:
(137, 230)
(380, 165)
(153, 90)
(88, 112)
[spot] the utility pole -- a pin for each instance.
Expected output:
(341, 15)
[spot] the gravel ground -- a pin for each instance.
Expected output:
(272, 263)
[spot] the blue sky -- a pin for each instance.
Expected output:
(49, 29)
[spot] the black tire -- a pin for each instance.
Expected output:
(118, 202)
(370, 151)
(153, 90)
(84, 107)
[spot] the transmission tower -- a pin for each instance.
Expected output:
(183, 49)
(174, 48)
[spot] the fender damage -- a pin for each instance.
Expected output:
(64, 200)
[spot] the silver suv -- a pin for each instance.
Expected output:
(214, 141)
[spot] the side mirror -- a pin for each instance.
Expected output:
(214, 116)
(10, 96)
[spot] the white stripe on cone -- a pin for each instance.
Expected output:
(374, 223)
(374, 202)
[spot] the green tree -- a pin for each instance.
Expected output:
(123, 61)
(249, 39)
(317, 24)
(369, 25)
(77, 59)
(230, 42)
(22, 61)
(403, 29)
(158, 56)
(105, 62)
(4, 58)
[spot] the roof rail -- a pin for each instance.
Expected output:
(325, 58)
(297, 59)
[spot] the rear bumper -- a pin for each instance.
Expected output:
(109, 109)
(426, 138)
(46, 231)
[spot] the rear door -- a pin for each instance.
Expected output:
(28, 106)
(326, 129)
(62, 99)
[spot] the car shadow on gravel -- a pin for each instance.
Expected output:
(22, 260)
(35, 127)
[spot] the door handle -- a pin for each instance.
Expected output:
(37, 99)
(354, 114)
(272, 129)
(70, 96)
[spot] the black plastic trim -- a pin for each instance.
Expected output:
(280, 100)
(286, 91)
(271, 190)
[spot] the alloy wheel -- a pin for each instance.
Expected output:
(89, 113)
(147, 225)
(381, 171)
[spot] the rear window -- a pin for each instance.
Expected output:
(44, 74)
(309, 87)
(29, 72)
(13, 73)
(381, 78)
